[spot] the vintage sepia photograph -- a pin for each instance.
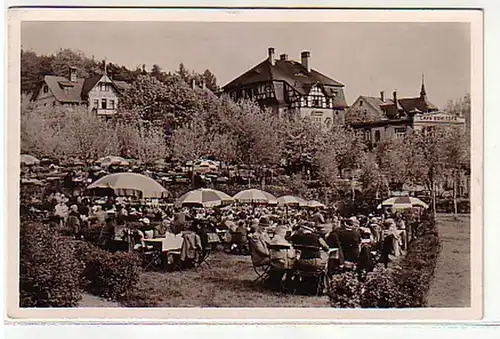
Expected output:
(246, 164)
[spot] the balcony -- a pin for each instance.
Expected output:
(103, 112)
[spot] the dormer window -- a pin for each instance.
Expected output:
(104, 87)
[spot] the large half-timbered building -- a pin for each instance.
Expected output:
(292, 88)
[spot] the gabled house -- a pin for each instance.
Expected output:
(291, 88)
(377, 118)
(99, 93)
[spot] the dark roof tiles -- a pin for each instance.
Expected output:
(76, 91)
(293, 73)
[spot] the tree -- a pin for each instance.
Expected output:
(86, 137)
(183, 73)
(189, 142)
(257, 139)
(33, 69)
(39, 133)
(426, 161)
(210, 80)
(391, 159)
(141, 140)
(170, 103)
(67, 57)
(456, 157)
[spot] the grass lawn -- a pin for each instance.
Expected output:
(451, 285)
(227, 283)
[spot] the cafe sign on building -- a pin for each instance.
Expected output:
(437, 119)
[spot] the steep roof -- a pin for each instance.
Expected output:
(419, 103)
(57, 85)
(76, 91)
(290, 71)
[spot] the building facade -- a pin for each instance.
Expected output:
(99, 93)
(379, 118)
(292, 89)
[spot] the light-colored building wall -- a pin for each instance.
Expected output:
(438, 119)
(326, 116)
(45, 98)
(103, 101)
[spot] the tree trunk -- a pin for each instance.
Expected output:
(455, 205)
(352, 189)
(434, 199)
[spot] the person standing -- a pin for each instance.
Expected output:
(74, 222)
(401, 226)
(62, 212)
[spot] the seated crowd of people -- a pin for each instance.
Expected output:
(285, 238)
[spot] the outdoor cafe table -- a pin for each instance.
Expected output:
(165, 245)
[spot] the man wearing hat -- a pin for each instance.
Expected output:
(259, 242)
(349, 240)
(313, 249)
(282, 256)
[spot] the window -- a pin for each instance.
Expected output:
(360, 103)
(400, 132)
(96, 103)
(111, 104)
(104, 104)
(45, 89)
(328, 122)
(377, 136)
(104, 87)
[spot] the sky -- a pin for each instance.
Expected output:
(366, 57)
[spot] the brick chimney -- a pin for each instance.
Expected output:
(382, 96)
(270, 53)
(304, 57)
(284, 57)
(72, 74)
(395, 98)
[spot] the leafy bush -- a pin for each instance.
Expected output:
(381, 290)
(345, 290)
(107, 274)
(92, 233)
(49, 270)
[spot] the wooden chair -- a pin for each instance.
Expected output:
(262, 270)
(300, 274)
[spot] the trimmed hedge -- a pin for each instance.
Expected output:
(49, 270)
(405, 284)
(109, 275)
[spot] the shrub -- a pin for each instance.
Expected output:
(381, 290)
(107, 274)
(344, 290)
(49, 270)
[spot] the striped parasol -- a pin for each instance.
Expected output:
(205, 197)
(255, 196)
(403, 203)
